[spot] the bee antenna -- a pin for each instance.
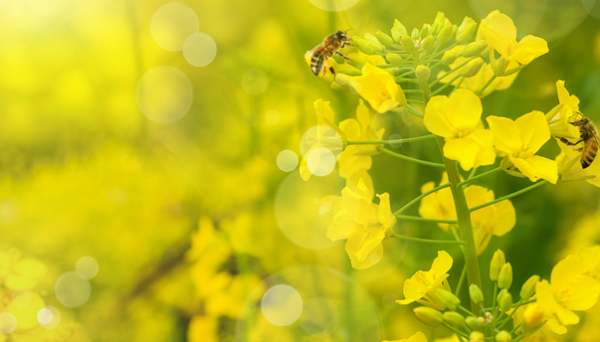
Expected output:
(348, 30)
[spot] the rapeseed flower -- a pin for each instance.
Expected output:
(520, 140)
(379, 88)
(417, 337)
(457, 120)
(561, 115)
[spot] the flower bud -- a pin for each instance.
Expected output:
(446, 298)
(505, 277)
(466, 30)
(476, 294)
(394, 59)
(425, 31)
(415, 34)
(472, 68)
(445, 34)
(384, 39)
(427, 44)
(357, 61)
(449, 57)
(476, 336)
(429, 316)
(500, 66)
(408, 44)
(528, 288)
(398, 26)
(533, 315)
(474, 323)
(422, 72)
(503, 336)
(440, 20)
(396, 35)
(474, 49)
(505, 301)
(454, 319)
(367, 46)
(498, 260)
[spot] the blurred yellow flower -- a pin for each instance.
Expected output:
(520, 140)
(439, 205)
(500, 33)
(379, 88)
(457, 119)
(362, 223)
(417, 337)
(561, 115)
(419, 288)
(203, 329)
(568, 290)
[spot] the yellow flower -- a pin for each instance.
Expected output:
(457, 119)
(475, 83)
(520, 140)
(569, 165)
(379, 88)
(417, 337)
(568, 290)
(566, 111)
(500, 33)
(439, 205)
(419, 288)
(363, 224)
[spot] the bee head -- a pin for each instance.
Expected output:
(581, 122)
(343, 35)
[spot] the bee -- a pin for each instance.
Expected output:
(588, 134)
(330, 46)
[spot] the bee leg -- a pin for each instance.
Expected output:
(567, 142)
(346, 43)
(346, 57)
(332, 70)
(579, 149)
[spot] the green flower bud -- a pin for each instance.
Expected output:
(505, 277)
(393, 71)
(394, 59)
(498, 260)
(500, 66)
(446, 298)
(339, 87)
(449, 57)
(415, 34)
(396, 35)
(476, 336)
(384, 39)
(398, 26)
(503, 336)
(474, 49)
(474, 323)
(472, 68)
(357, 61)
(367, 46)
(408, 44)
(429, 316)
(347, 69)
(505, 301)
(454, 319)
(476, 294)
(440, 21)
(427, 44)
(423, 73)
(445, 34)
(466, 30)
(453, 34)
(528, 288)
(425, 31)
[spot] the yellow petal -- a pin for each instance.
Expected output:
(351, 128)
(364, 241)
(546, 300)
(464, 150)
(341, 227)
(374, 257)
(565, 270)
(584, 292)
(384, 212)
(435, 119)
(463, 109)
(485, 139)
(324, 112)
(506, 134)
(413, 290)
(534, 130)
(442, 264)
(528, 49)
(499, 31)
(536, 167)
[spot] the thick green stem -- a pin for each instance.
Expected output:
(464, 224)
(413, 111)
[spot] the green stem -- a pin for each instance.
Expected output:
(514, 194)
(472, 173)
(414, 160)
(418, 198)
(464, 223)
(494, 304)
(466, 311)
(457, 85)
(415, 101)
(412, 91)
(487, 173)
(422, 219)
(393, 141)
(486, 85)
(407, 80)
(456, 331)
(411, 238)
(413, 111)
(451, 71)
(438, 90)
(461, 280)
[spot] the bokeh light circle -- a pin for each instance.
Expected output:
(272, 117)
(172, 24)
(72, 290)
(287, 160)
(294, 196)
(8, 322)
(164, 94)
(87, 267)
(281, 305)
(320, 161)
(334, 5)
(255, 81)
(395, 136)
(327, 311)
(323, 136)
(21, 298)
(49, 317)
(389, 300)
(548, 19)
(199, 49)
(394, 5)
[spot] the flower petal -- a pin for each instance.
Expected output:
(435, 119)
(528, 49)
(534, 130)
(463, 109)
(463, 150)
(536, 167)
(506, 134)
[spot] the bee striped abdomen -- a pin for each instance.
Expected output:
(589, 153)
(316, 63)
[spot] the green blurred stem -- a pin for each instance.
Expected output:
(461, 280)
(414, 160)
(412, 91)
(411, 238)
(451, 71)
(457, 85)
(519, 303)
(486, 85)
(441, 52)
(438, 90)
(415, 101)
(494, 304)
(466, 311)
(456, 331)
(418, 198)
(487, 173)
(422, 219)
(393, 141)
(514, 194)
(413, 111)
(508, 318)
(472, 174)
